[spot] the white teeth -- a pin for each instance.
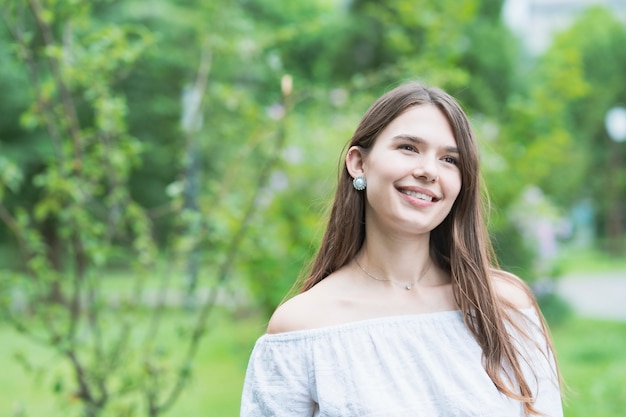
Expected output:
(418, 195)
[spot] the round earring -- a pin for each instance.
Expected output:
(359, 183)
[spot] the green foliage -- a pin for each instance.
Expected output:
(85, 200)
(554, 309)
(514, 254)
(597, 40)
(550, 129)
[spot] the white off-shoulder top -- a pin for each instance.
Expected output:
(421, 365)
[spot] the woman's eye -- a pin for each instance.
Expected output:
(450, 160)
(408, 148)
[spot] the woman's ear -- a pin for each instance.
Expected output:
(355, 162)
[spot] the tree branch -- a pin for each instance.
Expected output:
(231, 254)
(66, 98)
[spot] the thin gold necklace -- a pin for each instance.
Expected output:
(406, 286)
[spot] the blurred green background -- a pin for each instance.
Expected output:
(166, 167)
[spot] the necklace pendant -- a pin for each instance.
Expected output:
(409, 285)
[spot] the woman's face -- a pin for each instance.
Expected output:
(412, 172)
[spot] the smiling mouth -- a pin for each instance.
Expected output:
(421, 196)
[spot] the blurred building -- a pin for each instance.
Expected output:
(536, 21)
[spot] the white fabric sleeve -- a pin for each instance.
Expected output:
(277, 380)
(539, 367)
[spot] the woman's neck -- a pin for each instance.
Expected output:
(401, 260)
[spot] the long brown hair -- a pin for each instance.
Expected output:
(459, 245)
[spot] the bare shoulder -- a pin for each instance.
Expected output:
(318, 307)
(294, 314)
(512, 290)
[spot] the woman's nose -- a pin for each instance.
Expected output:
(426, 169)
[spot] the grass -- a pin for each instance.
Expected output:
(220, 370)
(215, 388)
(582, 261)
(592, 355)
(18, 386)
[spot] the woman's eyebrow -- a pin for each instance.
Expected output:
(419, 141)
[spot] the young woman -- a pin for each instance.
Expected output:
(404, 312)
